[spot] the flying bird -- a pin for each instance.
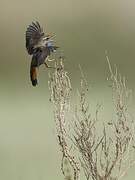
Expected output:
(40, 46)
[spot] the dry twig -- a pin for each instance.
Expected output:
(60, 88)
(103, 156)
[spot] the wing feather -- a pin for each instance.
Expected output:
(34, 34)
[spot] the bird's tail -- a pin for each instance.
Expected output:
(33, 75)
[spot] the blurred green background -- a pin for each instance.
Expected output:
(84, 31)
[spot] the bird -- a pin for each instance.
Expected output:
(40, 46)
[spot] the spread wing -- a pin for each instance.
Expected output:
(34, 35)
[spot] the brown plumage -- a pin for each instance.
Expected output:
(39, 46)
(33, 75)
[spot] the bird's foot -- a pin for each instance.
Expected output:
(50, 60)
(46, 65)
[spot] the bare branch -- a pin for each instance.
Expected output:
(104, 153)
(60, 88)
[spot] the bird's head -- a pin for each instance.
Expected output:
(48, 37)
(48, 40)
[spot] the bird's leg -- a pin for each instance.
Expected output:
(46, 65)
(49, 60)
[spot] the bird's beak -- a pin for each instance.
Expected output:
(50, 36)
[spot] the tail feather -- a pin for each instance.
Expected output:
(33, 75)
